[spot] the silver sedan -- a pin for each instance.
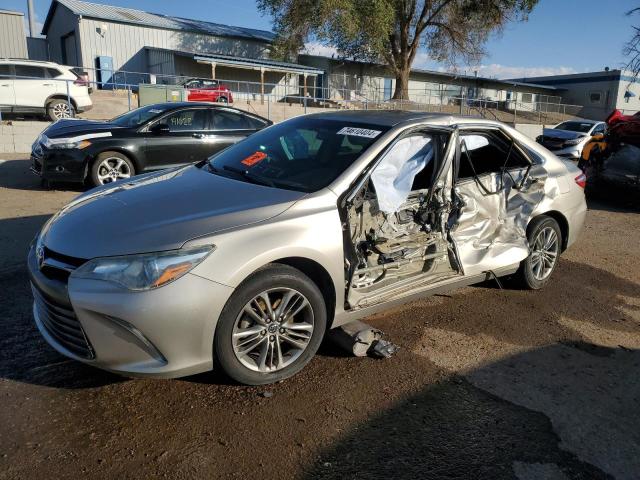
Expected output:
(244, 261)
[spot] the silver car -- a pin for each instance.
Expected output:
(244, 261)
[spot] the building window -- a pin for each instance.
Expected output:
(527, 97)
(595, 97)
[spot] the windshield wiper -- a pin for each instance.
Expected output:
(249, 176)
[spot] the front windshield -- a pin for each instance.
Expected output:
(303, 154)
(137, 117)
(582, 127)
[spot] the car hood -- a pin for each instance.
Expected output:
(72, 128)
(160, 211)
(562, 134)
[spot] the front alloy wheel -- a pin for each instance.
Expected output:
(273, 329)
(271, 326)
(110, 167)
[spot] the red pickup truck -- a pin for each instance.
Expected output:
(207, 90)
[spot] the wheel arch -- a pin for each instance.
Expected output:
(116, 149)
(563, 223)
(58, 96)
(318, 275)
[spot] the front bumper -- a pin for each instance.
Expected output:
(574, 152)
(69, 165)
(165, 332)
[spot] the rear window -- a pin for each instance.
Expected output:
(53, 72)
(225, 120)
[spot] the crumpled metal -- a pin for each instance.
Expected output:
(490, 231)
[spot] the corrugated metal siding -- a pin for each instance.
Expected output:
(161, 62)
(62, 23)
(139, 17)
(13, 41)
(38, 48)
(125, 44)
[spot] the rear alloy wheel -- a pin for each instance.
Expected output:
(545, 242)
(110, 167)
(271, 327)
(59, 109)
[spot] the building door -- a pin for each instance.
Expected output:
(69, 50)
(388, 85)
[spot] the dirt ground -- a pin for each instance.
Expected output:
(488, 383)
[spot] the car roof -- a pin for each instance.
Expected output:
(391, 118)
(174, 105)
(32, 62)
(219, 106)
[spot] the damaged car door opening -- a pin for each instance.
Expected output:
(302, 227)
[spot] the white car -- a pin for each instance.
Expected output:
(567, 139)
(29, 86)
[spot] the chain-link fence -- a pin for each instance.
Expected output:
(113, 94)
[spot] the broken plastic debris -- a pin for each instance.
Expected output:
(383, 349)
(360, 340)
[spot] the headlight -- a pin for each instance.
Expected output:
(63, 143)
(144, 272)
(575, 141)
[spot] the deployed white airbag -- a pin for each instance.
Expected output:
(394, 175)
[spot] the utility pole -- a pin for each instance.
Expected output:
(32, 18)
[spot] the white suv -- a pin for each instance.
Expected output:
(29, 86)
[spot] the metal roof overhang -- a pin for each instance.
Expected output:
(255, 64)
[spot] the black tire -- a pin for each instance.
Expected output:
(270, 277)
(94, 174)
(525, 276)
(55, 106)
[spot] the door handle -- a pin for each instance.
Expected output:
(5, 85)
(198, 135)
(48, 84)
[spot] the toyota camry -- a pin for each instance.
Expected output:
(242, 262)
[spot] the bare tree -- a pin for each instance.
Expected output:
(631, 49)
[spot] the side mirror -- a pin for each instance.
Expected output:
(597, 137)
(160, 129)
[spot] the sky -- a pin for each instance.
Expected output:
(561, 36)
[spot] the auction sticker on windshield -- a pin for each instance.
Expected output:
(254, 158)
(359, 132)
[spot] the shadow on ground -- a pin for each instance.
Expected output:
(455, 430)
(15, 175)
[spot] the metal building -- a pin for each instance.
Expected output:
(13, 41)
(120, 39)
(599, 93)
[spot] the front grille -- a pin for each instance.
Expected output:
(63, 325)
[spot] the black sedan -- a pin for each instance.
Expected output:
(148, 138)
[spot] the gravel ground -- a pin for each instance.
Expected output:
(488, 383)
